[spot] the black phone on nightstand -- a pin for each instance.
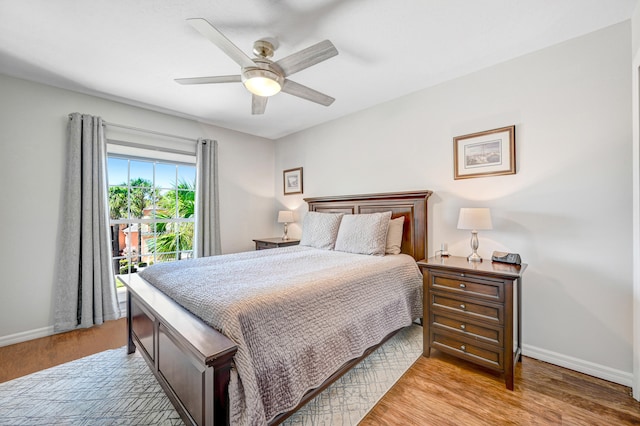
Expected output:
(503, 257)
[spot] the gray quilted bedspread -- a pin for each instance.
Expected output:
(296, 313)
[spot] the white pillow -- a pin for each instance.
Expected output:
(394, 235)
(319, 230)
(363, 233)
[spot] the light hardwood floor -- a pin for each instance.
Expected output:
(440, 390)
(28, 357)
(443, 390)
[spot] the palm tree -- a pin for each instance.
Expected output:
(142, 196)
(117, 210)
(174, 237)
(125, 204)
(118, 201)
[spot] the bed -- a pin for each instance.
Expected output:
(196, 364)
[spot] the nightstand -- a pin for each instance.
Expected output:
(472, 311)
(268, 243)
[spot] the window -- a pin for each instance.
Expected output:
(151, 209)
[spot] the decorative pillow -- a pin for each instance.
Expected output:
(319, 230)
(394, 235)
(363, 233)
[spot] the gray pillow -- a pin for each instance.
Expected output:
(363, 233)
(319, 230)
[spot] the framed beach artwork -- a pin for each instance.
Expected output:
(292, 181)
(488, 153)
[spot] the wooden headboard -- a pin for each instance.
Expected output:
(412, 205)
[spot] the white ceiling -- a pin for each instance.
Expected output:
(132, 50)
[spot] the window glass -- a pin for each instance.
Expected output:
(118, 171)
(141, 170)
(187, 174)
(151, 210)
(166, 175)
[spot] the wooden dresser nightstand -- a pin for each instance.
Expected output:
(472, 311)
(268, 243)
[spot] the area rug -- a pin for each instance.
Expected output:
(113, 388)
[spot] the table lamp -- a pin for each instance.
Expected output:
(286, 217)
(474, 219)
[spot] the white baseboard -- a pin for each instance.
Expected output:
(48, 331)
(26, 335)
(579, 365)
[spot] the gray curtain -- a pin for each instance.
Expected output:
(85, 292)
(207, 232)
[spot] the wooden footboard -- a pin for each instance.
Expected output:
(191, 360)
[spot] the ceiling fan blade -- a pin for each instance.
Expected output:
(216, 37)
(304, 92)
(307, 57)
(258, 104)
(210, 80)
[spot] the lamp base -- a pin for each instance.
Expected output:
(285, 236)
(474, 257)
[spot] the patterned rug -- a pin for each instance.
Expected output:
(112, 388)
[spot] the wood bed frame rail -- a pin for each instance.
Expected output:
(192, 361)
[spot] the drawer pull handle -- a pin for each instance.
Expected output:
(463, 285)
(462, 326)
(463, 306)
(463, 348)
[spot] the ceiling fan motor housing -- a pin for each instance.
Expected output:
(264, 48)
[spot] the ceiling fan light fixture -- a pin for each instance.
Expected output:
(262, 82)
(261, 76)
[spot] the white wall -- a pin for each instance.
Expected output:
(33, 119)
(567, 211)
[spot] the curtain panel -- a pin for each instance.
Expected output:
(85, 291)
(207, 228)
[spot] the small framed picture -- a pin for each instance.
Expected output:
(488, 153)
(292, 181)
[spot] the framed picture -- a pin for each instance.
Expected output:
(489, 153)
(292, 181)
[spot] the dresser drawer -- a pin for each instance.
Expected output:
(463, 327)
(261, 245)
(469, 285)
(469, 308)
(491, 357)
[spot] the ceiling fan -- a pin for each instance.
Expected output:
(260, 75)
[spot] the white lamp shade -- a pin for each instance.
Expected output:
(285, 216)
(475, 218)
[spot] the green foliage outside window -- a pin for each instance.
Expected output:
(170, 239)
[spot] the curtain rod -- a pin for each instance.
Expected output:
(153, 132)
